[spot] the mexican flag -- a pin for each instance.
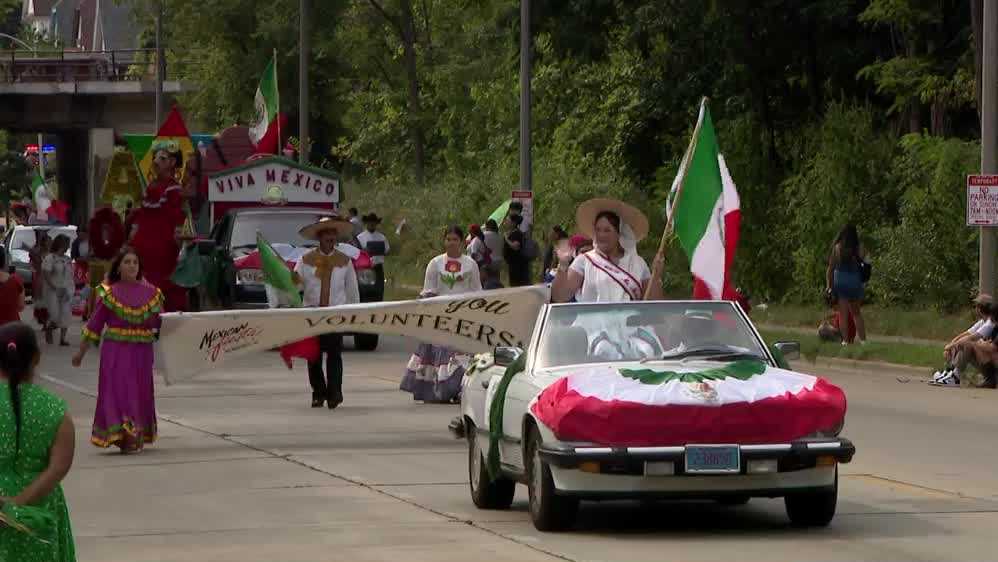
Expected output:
(172, 134)
(265, 132)
(276, 272)
(46, 207)
(744, 402)
(706, 213)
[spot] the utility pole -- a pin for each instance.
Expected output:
(989, 135)
(303, 56)
(526, 174)
(160, 66)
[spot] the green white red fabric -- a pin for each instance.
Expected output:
(745, 402)
(265, 132)
(706, 213)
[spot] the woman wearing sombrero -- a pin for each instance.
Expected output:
(612, 271)
(329, 279)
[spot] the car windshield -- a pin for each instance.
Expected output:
(24, 239)
(277, 228)
(599, 333)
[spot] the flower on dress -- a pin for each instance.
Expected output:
(452, 266)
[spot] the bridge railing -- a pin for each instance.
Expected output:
(23, 66)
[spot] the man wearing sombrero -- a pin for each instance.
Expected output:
(375, 244)
(329, 279)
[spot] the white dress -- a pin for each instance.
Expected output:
(57, 272)
(434, 373)
(610, 338)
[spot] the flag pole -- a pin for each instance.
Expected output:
(683, 169)
(277, 87)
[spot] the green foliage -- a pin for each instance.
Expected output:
(931, 255)
(14, 179)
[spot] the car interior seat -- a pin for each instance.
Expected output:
(566, 346)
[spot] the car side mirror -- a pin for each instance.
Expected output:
(505, 356)
(789, 349)
(206, 247)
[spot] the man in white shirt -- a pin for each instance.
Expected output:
(376, 245)
(973, 346)
(355, 223)
(329, 279)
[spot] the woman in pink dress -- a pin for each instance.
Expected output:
(125, 323)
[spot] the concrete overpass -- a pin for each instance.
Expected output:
(83, 98)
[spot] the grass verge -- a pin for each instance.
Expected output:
(927, 323)
(812, 347)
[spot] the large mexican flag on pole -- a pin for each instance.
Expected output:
(743, 403)
(265, 132)
(706, 212)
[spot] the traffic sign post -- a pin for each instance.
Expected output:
(982, 200)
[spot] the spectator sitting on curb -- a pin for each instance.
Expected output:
(974, 346)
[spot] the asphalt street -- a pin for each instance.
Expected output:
(246, 471)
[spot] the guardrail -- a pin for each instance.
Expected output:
(23, 66)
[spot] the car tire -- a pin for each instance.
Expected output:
(813, 509)
(733, 500)
(486, 493)
(548, 510)
(365, 342)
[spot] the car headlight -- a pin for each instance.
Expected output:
(367, 277)
(249, 276)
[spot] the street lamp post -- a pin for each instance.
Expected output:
(303, 56)
(526, 173)
(989, 136)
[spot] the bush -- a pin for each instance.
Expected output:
(930, 256)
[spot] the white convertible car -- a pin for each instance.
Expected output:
(650, 400)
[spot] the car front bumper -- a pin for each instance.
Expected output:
(638, 472)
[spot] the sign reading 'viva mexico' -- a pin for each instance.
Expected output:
(190, 343)
(274, 178)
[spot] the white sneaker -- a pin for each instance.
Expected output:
(950, 380)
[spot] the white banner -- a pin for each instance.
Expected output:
(190, 343)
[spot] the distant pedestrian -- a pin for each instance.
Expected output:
(60, 284)
(36, 453)
(844, 278)
(12, 300)
(36, 255)
(496, 244)
(358, 225)
(124, 323)
(555, 235)
(376, 245)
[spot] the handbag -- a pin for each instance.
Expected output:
(865, 270)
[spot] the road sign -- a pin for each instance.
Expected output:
(527, 198)
(982, 200)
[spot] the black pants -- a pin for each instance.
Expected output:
(379, 272)
(332, 346)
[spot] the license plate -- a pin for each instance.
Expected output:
(713, 459)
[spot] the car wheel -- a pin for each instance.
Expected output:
(486, 493)
(813, 509)
(549, 511)
(733, 500)
(365, 342)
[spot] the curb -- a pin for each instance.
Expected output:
(871, 337)
(881, 368)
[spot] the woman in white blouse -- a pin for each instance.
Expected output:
(434, 373)
(611, 272)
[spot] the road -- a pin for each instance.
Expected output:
(246, 471)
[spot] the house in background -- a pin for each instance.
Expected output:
(85, 25)
(37, 15)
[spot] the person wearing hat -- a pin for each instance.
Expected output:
(328, 279)
(612, 271)
(972, 346)
(375, 244)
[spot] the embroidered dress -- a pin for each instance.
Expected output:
(434, 372)
(41, 415)
(125, 322)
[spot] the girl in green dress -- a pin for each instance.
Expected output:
(36, 451)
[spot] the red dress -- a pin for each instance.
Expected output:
(156, 220)
(10, 298)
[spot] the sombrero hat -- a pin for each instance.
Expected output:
(312, 231)
(585, 216)
(372, 217)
